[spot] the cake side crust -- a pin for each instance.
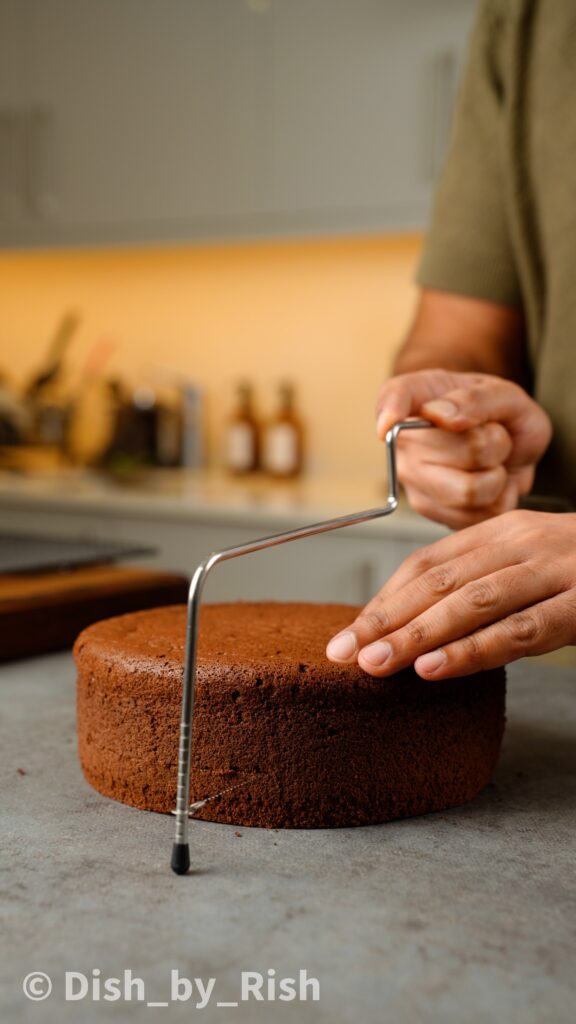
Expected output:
(304, 743)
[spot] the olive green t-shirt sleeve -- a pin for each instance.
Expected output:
(467, 248)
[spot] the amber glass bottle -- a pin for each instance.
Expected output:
(283, 438)
(242, 438)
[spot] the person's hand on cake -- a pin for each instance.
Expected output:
(483, 457)
(477, 599)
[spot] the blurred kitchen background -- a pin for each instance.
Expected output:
(210, 216)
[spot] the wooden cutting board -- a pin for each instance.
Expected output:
(42, 612)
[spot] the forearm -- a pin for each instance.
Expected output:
(464, 334)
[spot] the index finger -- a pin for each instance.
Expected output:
(469, 539)
(429, 575)
(491, 399)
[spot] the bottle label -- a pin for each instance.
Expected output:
(240, 448)
(281, 449)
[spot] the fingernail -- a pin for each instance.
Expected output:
(342, 647)
(430, 662)
(382, 423)
(377, 654)
(440, 407)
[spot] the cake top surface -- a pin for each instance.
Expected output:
(246, 633)
(241, 644)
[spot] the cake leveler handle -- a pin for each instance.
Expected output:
(181, 850)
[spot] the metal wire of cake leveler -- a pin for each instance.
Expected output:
(181, 851)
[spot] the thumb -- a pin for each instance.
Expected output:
(404, 395)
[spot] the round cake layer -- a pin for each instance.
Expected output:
(286, 737)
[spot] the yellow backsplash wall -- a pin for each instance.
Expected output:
(327, 314)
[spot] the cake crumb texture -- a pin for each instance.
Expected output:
(297, 741)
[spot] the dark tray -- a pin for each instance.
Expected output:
(23, 553)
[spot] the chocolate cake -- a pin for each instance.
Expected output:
(289, 739)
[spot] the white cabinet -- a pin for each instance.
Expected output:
(14, 118)
(152, 120)
(361, 95)
(144, 117)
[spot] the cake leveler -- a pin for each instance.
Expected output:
(180, 861)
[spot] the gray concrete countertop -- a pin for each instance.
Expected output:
(466, 917)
